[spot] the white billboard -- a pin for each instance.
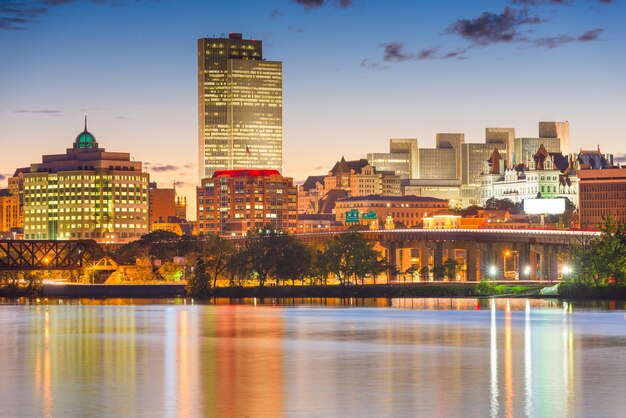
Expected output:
(555, 206)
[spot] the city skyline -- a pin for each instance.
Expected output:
(386, 81)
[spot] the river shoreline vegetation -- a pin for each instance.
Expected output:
(21, 283)
(277, 264)
(598, 265)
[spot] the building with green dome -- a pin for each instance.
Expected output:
(86, 193)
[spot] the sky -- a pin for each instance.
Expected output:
(355, 73)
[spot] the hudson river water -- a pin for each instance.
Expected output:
(312, 358)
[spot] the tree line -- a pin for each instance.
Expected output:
(265, 255)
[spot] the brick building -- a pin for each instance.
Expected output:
(233, 202)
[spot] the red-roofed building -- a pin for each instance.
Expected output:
(233, 202)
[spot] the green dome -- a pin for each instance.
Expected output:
(85, 139)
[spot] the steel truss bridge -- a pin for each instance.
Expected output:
(46, 255)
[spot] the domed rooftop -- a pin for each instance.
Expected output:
(85, 139)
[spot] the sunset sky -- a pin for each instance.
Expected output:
(355, 74)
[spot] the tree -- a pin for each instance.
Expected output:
(351, 255)
(293, 259)
(425, 273)
(601, 261)
(198, 283)
(216, 252)
(261, 252)
(469, 211)
(452, 268)
(170, 271)
(503, 204)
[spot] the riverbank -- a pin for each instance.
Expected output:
(578, 291)
(415, 290)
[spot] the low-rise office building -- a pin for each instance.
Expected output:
(407, 211)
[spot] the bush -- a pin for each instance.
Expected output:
(485, 287)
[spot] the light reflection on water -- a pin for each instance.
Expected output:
(304, 357)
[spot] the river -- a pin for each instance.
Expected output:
(312, 358)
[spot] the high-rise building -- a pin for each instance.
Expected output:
(450, 142)
(503, 139)
(556, 130)
(402, 158)
(240, 104)
(86, 193)
(238, 201)
(525, 148)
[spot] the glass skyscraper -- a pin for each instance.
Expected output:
(240, 106)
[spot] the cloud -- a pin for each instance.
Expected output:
(492, 28)
(164, 168)
(276, 13)
(295, 29)
(395, 52)
(2, 177)
(560, 40)
(316, 4)
(39, 111)
(19, 14)
(189, 166)
(372, 65)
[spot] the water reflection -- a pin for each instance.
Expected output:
(423, 357)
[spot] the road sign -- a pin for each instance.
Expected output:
(352, 215)
(371, 215)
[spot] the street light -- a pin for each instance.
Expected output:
(527, 270)
(492, 271)
(566, 270)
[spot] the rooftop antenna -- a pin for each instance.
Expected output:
(85, 123)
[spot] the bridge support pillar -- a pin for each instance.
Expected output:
(438, 261)
(553, 263)
(524, 269)
(471, 260)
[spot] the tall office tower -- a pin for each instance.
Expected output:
(240, 106)
(474, 157)
(499, 136)
(556, 130)
(449, 141)
(402, 158)
(407, 146)
(525, 148)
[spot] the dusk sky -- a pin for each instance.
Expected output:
(355, 74)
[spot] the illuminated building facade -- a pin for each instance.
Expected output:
(602, 190)
(240, 101)
(501, 138)
(549, 174)
(402, 158)
(233, 202)
(86, 193)
(10, 211)
(165, 206)
(355, 178)
(408, 210)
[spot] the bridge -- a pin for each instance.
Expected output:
(529, 254)
(46, 255)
